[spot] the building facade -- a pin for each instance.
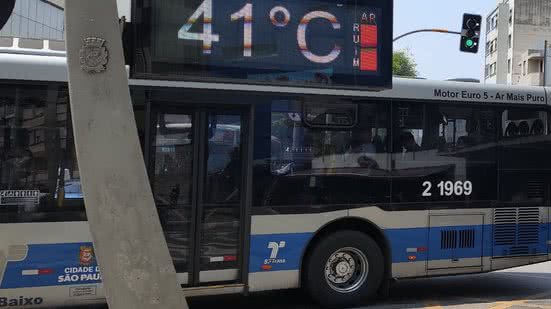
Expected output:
(36, 19)
(515, 35)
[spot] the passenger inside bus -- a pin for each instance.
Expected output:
(408, 143)
(537, 128)
(524, 128)
(470, 139)
(362, 142)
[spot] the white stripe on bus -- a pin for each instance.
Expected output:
(29, 272)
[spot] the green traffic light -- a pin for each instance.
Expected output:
(469, 43)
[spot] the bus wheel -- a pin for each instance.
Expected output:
(345, 269)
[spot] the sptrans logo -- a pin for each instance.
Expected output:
(21, 301)
(275, 251)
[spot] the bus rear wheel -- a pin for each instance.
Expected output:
(344, 269)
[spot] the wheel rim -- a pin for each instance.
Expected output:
(346, 270)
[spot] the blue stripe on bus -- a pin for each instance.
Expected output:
(429, 240)
(423, 244)
(53, 265)
(74, 263)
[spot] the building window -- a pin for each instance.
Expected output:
(510, 17)
(509, 66)
(493, 69)
(491, 23)
(524, 68)
(493, 46)
(510, 40)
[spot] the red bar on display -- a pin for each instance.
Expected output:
(369, 37)
(368, 60)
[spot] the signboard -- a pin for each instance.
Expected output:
(325, 43)
(19, 197)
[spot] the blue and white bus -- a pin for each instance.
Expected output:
(264, 187)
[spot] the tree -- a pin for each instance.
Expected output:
(403, 64)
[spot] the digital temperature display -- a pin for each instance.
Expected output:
(327, 43)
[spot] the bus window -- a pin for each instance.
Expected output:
(39, 178)
(525, 170)
(322, 164)
(443, 153)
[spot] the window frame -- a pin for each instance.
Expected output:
(50, 211)
(429, 204)
(504, 171)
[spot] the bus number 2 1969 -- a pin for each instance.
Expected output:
(449, 188)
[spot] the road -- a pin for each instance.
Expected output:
(525, 287)
(520, 288)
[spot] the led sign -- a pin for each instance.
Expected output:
(299, 42)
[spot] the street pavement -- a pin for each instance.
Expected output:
(520, 288)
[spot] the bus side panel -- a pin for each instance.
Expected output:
(48, 264)
(520, 237)
(408, 239)
(278, 243)
(52, 297)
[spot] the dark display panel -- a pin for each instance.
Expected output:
(308, 43)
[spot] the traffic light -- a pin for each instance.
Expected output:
(470, 33)
(6, 7)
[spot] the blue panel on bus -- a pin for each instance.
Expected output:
(521, 239)
(414, 243)
(455, 242)
(404, 241)
(277, 251)
(51, 265)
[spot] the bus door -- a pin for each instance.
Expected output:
(197, 168)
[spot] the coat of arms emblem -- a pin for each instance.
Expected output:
(86, 256)
(94, 55)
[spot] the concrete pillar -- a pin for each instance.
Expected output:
(135, 263)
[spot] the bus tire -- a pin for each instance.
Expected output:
(335, 271)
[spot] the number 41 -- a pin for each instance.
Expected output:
(205, 10)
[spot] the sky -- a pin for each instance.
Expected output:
(437, 55)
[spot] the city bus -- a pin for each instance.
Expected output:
(259, 187)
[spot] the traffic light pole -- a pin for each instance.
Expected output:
(136, 267)
(425, 30)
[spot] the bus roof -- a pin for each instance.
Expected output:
(45, 64)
